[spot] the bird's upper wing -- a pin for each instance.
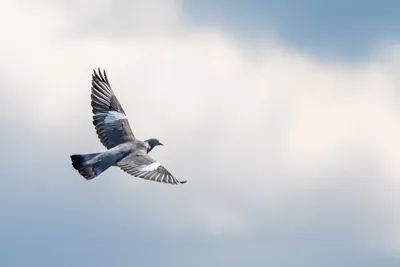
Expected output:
(109, 117)
(140, 164)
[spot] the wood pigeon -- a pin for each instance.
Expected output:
(114, 132)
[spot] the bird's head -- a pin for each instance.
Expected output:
(153, 142)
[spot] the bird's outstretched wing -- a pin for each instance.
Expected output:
(109, 117)
(141, 165)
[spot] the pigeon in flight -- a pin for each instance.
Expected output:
(114, 132)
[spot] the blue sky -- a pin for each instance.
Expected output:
(284, 122)
(327, 29)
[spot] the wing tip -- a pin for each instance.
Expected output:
(98, 75)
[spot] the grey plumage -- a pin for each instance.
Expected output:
(103, 102)
(123, 149)
(133, 162)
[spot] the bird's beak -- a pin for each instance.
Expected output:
(161, 144)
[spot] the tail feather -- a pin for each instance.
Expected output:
(88, 169)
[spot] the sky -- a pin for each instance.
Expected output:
(342, 29)
(283, 118)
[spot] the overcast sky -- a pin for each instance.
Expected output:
(283, 117)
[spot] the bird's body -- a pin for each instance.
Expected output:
(124, 150)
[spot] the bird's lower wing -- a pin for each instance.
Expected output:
(141, 165)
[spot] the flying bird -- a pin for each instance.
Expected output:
(124, 150)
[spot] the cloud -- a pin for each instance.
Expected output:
(312, 26)
(289, 160)
(112, 19)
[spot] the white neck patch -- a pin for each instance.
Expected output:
(146, 144)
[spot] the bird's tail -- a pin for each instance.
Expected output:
(88, 166)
